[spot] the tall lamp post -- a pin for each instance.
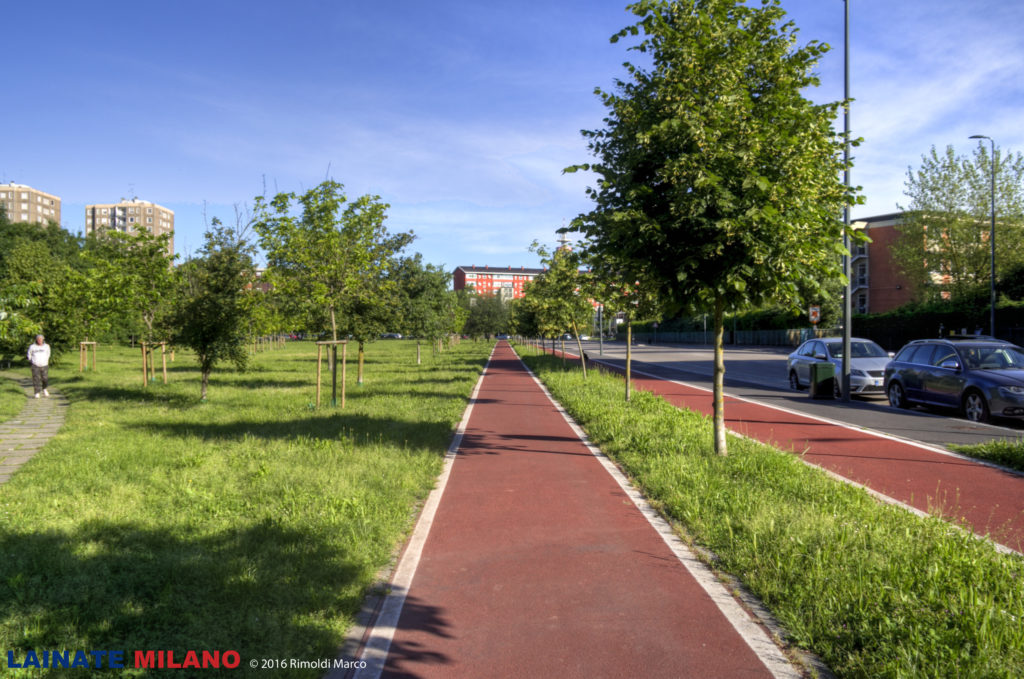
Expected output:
(844, 378)
(991, 241)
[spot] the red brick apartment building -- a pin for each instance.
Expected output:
(506, 282)
(875, 281)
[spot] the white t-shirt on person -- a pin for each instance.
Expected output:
(39, 354)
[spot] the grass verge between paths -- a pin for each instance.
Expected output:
(1007, 453)
(250, 522)
(872, 589)
(12, 399)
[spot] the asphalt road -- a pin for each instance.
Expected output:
(759, 374)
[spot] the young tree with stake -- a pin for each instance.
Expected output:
(717, 178)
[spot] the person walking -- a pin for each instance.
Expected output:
(39, 357)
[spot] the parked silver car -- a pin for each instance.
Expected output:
(867, 363)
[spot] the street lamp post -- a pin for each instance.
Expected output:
(844, 376)
(991, 242)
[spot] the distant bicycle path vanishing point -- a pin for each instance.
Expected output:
(531, 559)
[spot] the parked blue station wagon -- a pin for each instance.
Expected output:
(980, 378)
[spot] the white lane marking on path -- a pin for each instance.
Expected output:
(752, 633)
(378, 643)
(1003, 549)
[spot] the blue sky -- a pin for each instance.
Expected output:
(460, 115)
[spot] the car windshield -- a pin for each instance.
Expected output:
(857, 350)
(992, 357)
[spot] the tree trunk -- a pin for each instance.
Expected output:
(579, 343)
(359, 372)
(334, 336)
(718, 396)
(418, 361)
(629, 353)
(205, 381)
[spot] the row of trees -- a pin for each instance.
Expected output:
(123, 285)
(333, 267)
(718, 186)
(343, 272)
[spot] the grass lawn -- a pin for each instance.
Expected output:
(12, 398)
(872, 589)
(1007, 453)
(249, 522)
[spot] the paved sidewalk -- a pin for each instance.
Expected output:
(26, 433)
(538, 563)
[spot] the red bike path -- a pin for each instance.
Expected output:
(539, 564)
(987, 500)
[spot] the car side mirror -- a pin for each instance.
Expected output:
(892, 354)
(951, 363)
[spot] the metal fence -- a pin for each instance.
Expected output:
(766, 338)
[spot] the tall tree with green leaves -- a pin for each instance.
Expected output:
(943, 244)
(560, 296)
(425, 302)
(487, 315)
(130, 275)
(716, 176)
(332, 254)
(39, 265)
(212, 314)
(621, 289)
(522, 318)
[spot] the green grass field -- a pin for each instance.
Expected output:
(12, 398)
(250, 522)
(872, 589)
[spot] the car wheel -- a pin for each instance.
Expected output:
(794, 383)
(975, 408)
(897, 399)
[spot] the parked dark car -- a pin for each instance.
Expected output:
(979, 377)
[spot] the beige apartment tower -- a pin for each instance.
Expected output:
(130, 216)
(25, 204)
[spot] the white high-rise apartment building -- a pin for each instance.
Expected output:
(25, 204)
(130, 216)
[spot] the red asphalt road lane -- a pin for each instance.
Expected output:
(539, 565)
(987, 500)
